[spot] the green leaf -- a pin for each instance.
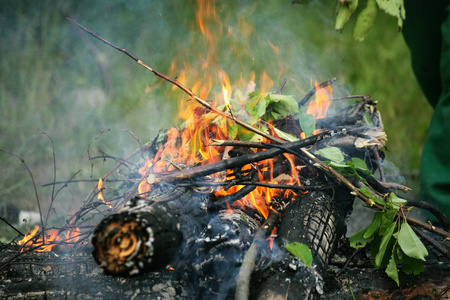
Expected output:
(345, 12)
(411, 265)
(391, 269)
(365, 191)
(364, 21)
(384, 245)
(251, 103)
(395, 8)
(307, 123)
(332, 153)
(261, 106)
(394, 200)
(232, 129)
(386, 220)
(301, 251)
(288, 101)
(358, 240)
(284, 135)
(372, 228)
(360, 165)
(409, 242)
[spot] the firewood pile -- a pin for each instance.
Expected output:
(245, 200)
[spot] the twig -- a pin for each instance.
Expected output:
(239, 161)
(433, 209)
(248, 264)
(347, 262)
(281, 86)
(432, 241)
(181, 86)
(137, 140)
(32, 180)
(380, 166)
(88, 180)
(17, 230)
(54, 179)
(313, 91)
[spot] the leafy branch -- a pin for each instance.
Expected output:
(366, 17)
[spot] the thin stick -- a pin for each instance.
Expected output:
(433, 242)
(32, 180)
(54, 179)
(17, 230)
(314, 90)
(181, 86)
(246, 270)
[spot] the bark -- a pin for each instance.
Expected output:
(147, 233)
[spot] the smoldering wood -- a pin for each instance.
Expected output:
(146, 234)
(75, 275)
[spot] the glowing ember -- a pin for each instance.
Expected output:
(51, 239)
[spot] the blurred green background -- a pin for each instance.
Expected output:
(56, 79)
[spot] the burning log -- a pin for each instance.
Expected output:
(147, 232)
(179, 189)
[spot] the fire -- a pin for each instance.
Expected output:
(49, 241)
(100, 194)
(319, 107)
(190, 145)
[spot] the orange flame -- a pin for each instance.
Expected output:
(319, 107)
(100, 194)
(40, 244)
(191, 145)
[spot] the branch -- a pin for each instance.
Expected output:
(237, 161)
(181, 86)
(248, 264)
(313, 91)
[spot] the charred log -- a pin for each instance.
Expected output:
(316, 220)
(146, 233)
(218, 252)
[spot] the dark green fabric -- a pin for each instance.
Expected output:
(427, 34)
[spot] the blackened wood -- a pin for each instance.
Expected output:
(316, 220)
(146, 234)
(218, 252)
(242, 160)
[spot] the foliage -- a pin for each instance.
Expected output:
(301, 251)
(366, 17)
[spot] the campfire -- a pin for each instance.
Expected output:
(249, 197)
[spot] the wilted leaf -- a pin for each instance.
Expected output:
(409, 242)
(301, 251)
